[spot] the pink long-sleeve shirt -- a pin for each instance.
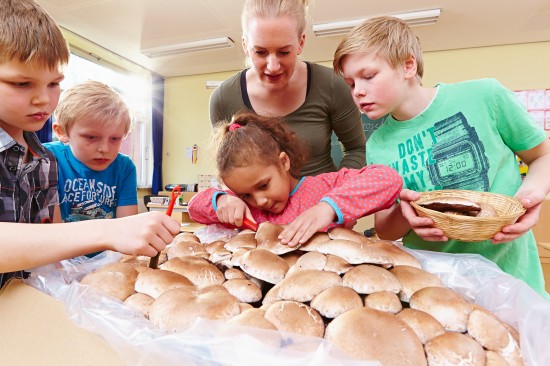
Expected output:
(352, 193)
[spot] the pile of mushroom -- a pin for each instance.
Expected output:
(369, 297)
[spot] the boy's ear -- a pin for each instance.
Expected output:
(60, 133)
(410, 67)
(285, 161)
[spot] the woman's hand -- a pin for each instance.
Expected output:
(422, 226)
(231, 210)
(308, 223)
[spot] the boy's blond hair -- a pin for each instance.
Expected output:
(29, 35)
(94, 101)
(387, 37)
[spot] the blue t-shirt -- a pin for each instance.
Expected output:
(86, 194)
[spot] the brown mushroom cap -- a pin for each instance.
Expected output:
(362, 332)
(220, 255)
(313, 242)
(291, 257)
(267, 238)
(413, 279)
(182, 248)
(186, 236)
(234, 273)
(493, 335)
(310, 260)
(335, 301)
(367, 279)
(304, 285)
(348, 234)
(494, 359)
(243, 290)
(444, 304)
(336, 264)
(423, 324)
(140, 302)
(197, 270)
(154, 282)
(265, 265)
(453, 348)
(211, 247)
(176, 309)
(253, 318)
(114, 279)
(241, 240)
(295, 317)
(384, 301)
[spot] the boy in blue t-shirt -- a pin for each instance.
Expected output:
(95, 179)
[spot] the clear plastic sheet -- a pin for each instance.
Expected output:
(217, 343)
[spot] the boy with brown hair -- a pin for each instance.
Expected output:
(33, 53)
(95, 180)
(453, 136)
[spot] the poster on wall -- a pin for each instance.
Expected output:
(537, 103)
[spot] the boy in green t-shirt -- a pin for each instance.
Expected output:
(452, 136)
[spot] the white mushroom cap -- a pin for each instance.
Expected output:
(243, 290)
(182, 248)
(198, 270)
(304, 285)
(264, 265)
(492, 335)
(423, 324)
(140, 302)
(362, 332)
(176, 309)
(384, 301)
(335, 301)
(242, 240)
(444, 304)
(453, 348)
(154, 282)
(295, 317)
(367, 279)
(413, 279)
(348, 234)
(267, 238)
(114, 279)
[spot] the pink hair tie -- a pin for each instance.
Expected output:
(234, 126)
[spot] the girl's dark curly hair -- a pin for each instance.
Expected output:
(250, 139)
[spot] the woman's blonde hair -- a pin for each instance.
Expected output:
(95, 101)
(29, 35)
(252, 139)
(387, 37)
(272, 9)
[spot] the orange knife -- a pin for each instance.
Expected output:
(153, 263)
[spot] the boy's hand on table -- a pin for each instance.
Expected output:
(308, 223)
(422, 226)
(143, 234)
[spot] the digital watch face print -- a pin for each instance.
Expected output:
(458, 157)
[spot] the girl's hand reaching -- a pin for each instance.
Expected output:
(231, 210)
(308, 223)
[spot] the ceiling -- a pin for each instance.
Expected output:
(127, 26)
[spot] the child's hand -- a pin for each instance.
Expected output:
(144, 234)
(532, 201)
(422, 226)
(232, 210)
(308, 223)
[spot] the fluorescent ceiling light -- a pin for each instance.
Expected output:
(212, 84)
(423, 17)
(196, 46)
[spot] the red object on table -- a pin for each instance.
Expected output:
(153, 263)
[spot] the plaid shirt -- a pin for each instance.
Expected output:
(28, 191)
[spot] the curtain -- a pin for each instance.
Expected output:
(45, 133)
(158, 122)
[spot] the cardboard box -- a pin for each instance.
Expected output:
(35, 330)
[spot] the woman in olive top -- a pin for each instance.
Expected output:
(312, 99)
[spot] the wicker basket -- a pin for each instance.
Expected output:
(469, 228)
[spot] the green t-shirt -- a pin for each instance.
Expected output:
(465, 139)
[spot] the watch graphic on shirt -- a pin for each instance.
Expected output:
(458, 156)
